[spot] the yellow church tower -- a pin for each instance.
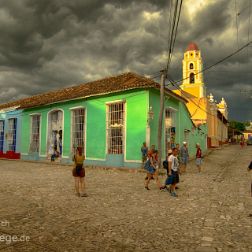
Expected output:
(192, 87)
(192, 76)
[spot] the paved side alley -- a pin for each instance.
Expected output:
(210, 214)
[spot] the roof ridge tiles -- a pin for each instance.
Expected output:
(121, 82)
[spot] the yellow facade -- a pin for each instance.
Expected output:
(203, 109)
(193, 87)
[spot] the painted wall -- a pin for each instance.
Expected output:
(196, 135)
(155, 103)
(95, 109)
(5, 116)
(183, 123)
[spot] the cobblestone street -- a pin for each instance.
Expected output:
(210, 214)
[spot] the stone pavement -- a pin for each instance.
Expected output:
(211, 213)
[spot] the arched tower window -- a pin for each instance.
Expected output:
(191, 66)
(191, 77)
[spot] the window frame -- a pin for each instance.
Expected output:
(119, 124)
(73, 110)
(168, 127)
(13, 146)
(38, 133)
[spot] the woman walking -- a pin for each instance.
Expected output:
(151, 168)
(79, 173)
(198, 157)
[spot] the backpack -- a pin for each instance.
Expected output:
(250, 165)
(165, 165)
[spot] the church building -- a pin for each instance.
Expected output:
(203, 108)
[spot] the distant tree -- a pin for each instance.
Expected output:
(237, 125)
(247, 124)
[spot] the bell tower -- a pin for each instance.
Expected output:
(192, 76)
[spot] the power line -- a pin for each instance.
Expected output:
(236, 22)
(218, 62)
(176, 29)
(171, 35)
(249, 20)
(184, 94)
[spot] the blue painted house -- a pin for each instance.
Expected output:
(10, 133)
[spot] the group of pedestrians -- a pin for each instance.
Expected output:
(175, 164)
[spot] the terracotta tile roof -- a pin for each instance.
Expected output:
(125, 81)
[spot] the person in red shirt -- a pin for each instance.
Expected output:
(198, 157)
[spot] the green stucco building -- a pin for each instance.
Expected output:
(109, 119)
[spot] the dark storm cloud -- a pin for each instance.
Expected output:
(56, 43)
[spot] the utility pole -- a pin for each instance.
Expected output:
(161, 114)
(222, 124)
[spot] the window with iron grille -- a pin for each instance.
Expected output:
(78, 123)
(35, 133)
(115, 127)
(170, 123)
(11, 139)
(1, 135)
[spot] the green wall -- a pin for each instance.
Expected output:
(183, 122)
(155, 103)
(136, 111)
(135, 130)
(196, 135)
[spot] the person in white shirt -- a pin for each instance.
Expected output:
(173, 171)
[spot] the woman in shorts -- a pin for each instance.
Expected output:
(79, 173)
(151, 168)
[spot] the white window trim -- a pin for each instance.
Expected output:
(124, 131)
(40, 118)
(173, 110)
(115, 101)
(8, 130)
(77, 107)
(84, 128)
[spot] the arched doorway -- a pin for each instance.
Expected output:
(55, 134)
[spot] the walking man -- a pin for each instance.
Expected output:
(173, 173)
(184, 157)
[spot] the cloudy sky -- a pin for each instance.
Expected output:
(49, 44)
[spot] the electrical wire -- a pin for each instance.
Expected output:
(216, 63)
(249, 19)
(176, 19)
(176, 29)
(172, 35)
(236, 22)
